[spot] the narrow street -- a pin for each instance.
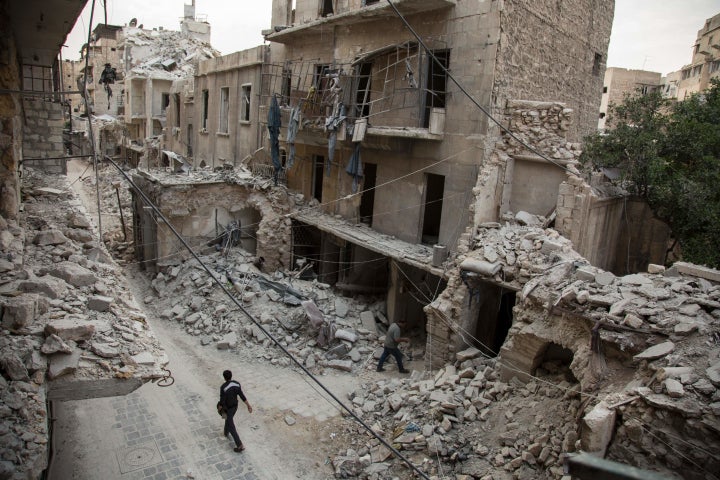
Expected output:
(175, 432)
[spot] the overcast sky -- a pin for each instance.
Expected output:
(655, 35)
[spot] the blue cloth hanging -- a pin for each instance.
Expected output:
(354, 167)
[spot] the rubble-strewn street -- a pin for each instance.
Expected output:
(471, 417)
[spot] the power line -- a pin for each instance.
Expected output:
(262, 328)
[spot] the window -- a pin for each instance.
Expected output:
(286, 86)
(205, 98)
(245, 104)
(597, 63)
(436, 82)
(224, 109)
(602, 114)
(326, 8)
(317, 183)
(433, 202)
(362, 97)
(604, 89)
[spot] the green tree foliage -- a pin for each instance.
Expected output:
(669, 154)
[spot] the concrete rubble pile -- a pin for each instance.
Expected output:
(465, 420)
(70, 328)
(347, 339)
(166, 53)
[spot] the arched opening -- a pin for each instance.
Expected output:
(491, 315)
(554, 361)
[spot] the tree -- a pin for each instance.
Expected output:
(669, 154)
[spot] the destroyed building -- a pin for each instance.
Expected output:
(64, 333)
(705, 63)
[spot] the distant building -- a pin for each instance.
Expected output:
(705, 64)
(620, 82)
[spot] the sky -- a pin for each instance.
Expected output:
(655, 35)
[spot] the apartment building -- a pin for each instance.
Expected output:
(705, 63)
(384, 164)
(622, 82)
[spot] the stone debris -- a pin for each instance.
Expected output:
(59, 322)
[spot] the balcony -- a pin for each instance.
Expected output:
(378, 11)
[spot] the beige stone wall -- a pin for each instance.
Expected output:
(548, 51)
(212, 146)
(11, 129)
(194, 210)
(43, 134)
(615, 233)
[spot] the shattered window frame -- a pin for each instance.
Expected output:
(224, 125)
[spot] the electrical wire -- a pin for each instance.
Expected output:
(259, 325)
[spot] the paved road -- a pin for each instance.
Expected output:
(165, 433)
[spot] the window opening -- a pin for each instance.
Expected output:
(436, 83)
(362, 97)
(326, 8)
(245, 107)
(224, 109)
(596, 64)
(164, 102)
(205, 98)
(434, 190)
(176, 102)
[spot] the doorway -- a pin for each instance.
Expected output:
(367, 200)
(317, 179)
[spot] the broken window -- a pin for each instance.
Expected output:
(326, 8)
(362, 96)
(224, 109)
(436, 83)
(205, 101)
(245, 104)
(597, 62)
(433, 202)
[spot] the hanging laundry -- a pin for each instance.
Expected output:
(332, 141)
(293, 127)
(354, 167)
(274, 123)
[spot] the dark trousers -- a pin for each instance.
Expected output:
(395, 353)
(230, 425)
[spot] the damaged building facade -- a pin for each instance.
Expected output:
(368, 169)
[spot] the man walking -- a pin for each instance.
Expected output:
(229, 393)
(392, 338)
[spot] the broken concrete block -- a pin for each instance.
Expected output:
(586, 274)
(656, 351)
(467, 354)
(50, 237)
(143, 358)
(673, 388)
(597, 430)
(55, 344)
(289, 420)
(367, 318)
(228, 341)
(19, 312)
(61, 364)
(73, 274)
(346, 335)
(13, 366)
(604, 278)
(341, 307)
(345, 365)
(655, 269)
(104, 350)
(70, 329)
(49, 286)
(550, 246)
(713, 373)
(632, 321)
(76, 220)
(99, 303)
(697, 271)
(525, 218)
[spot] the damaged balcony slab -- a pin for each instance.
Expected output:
(380, 10)
(419, 256)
